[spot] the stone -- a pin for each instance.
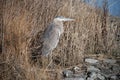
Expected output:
(75, 69)
(95, 76)
(118, 76)
(92, 68)
(91, 61)
(113, 77)
(106, 72)
(74, 79)
(89, 79)
(115, 68)
(110, 61)
(81, 79)
(91, 75)
(100, 77)
(106, 69)
(67, 73)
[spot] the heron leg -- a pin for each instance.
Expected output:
(49, 59)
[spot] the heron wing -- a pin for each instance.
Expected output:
(50, 39)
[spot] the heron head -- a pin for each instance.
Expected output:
(61, 18)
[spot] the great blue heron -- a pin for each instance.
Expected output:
(52, 34)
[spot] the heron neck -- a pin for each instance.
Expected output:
(59, 25)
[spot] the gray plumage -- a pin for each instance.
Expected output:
(52, 34)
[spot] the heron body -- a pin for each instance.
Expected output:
(52, 35)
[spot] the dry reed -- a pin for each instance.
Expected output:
(23, 22)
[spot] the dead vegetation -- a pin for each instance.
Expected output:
(23, 22)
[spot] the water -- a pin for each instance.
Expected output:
(113, 6)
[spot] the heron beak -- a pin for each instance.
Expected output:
(68, 19)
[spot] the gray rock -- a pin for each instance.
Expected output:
(75, 69)
(100, 77)
(92, 68)
(115, 68)
(81, 79)
(110, 61)
(118, 76)
(91, 61)
(67, 73)
(92, 75)
(113, 77)
(106, 72)
(95, 76)
(74, 79)
(90, 79)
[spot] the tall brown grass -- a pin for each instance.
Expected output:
(21, 22)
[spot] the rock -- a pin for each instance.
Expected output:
(92, 68)
(74, 79)
(95, 76)
(110, 61)
(67, 73)
(79, 75)
(75, 69)
(118, 76)
(91, 61)
(106, 72)
(81, 79)
(115, 68)
(89, 79)
(91, 75)
(100, 77)
(113, 77)
(106, 69)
